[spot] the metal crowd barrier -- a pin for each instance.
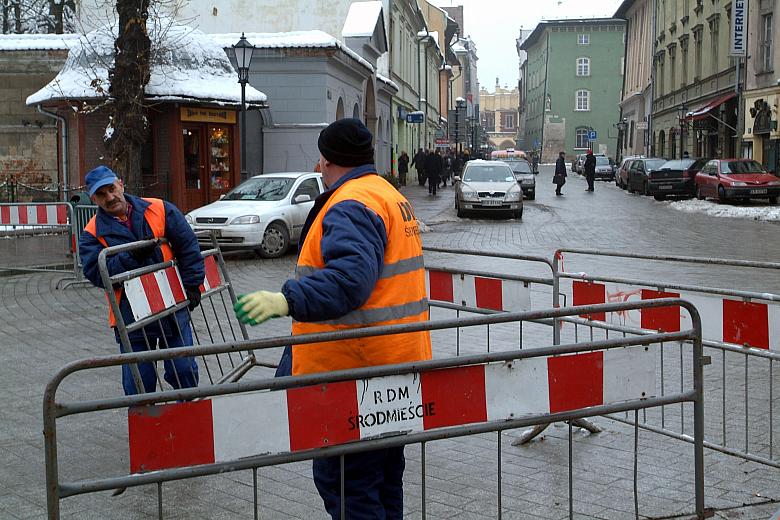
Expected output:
(740, 329)
(242, 426)
(156, 294)
(39, 237)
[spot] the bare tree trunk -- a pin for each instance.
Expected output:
(128, 78)
(6, 25)
(18, 17)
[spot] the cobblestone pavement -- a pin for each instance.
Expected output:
(44, 328)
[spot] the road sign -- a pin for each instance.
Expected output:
(415, 117)
(592, 135)
(641, 125)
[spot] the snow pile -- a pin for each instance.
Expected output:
(361, 19)
(770, 213)
(288, 40)
(185, 64)
(37, 42)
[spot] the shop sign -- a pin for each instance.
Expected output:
(738, 36)
(208, 115)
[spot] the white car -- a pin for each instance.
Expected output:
(488, 187)
(265, 213)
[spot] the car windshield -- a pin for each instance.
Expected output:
(520, 167)
(679, 164)
(488, 173)
(602, 161)
(654, 164)
(261, 189)
(738, 167)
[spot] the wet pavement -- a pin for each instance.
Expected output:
(44, 328)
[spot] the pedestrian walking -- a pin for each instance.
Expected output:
(590, 169)
(457, 164)
(535, 163)
(122, 218)
(418, 161)
(559, 178)
(446, 169)
(403, 168)
(360, 232)
(433, 168)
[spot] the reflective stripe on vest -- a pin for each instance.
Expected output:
(399, 295)
(155, 217)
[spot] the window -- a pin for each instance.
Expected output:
(684, 60)
(308, 187)
(509, 122)
(582, 100)
(714, 37)
(765, 44)
(672, 51)
(581, 138)
(697, 42)
(659, 73)
(583, 66)
(631, 135)
(583, 39)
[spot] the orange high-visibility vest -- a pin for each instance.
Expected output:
(155, 217)
(399, 295)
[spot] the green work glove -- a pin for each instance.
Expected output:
(254, 308)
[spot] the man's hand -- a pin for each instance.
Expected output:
(193, 295)
(142, 253)
(255, 308)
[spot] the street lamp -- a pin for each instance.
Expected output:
(243, 51)
(682, 112)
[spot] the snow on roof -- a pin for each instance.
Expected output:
(387, 81)
(185, 65)
(37, 42)
(361, 19)
(293, 39)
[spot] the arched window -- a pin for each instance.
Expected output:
(583, 66)
(356, 111)
(340, 109)
(582, 100)
(581, 138)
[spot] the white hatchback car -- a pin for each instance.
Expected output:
(265, 213)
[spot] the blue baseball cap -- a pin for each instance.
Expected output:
(99, 177)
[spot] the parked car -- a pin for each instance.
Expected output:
(676, 177)
(604, 170)
(578, 164)
(488, 187)
(264, 213)
(525, 178)
(638, 174)
(731, 179)
(621, 177)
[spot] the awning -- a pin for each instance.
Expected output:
(704, 110)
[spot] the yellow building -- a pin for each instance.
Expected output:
(499, 115)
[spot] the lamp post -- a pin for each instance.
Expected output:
(460, 106)
(682, 112)
(243, 51)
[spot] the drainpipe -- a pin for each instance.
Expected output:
(64, 138)
(649, 137)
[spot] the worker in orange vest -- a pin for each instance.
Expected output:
(122, 218)
(360, 263)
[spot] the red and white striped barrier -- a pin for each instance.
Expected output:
(155, 292)
(213, 280)
(34, 215)
(724, 319)
(230, 427)
(477, 291)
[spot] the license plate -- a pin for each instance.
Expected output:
(665, 187)
(758, 192)
(491, 202)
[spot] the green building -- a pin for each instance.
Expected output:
(572, 84)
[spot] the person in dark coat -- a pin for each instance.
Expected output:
(590, 169)
(535, 163)
(446, 168)
(433, 168)
(403, 168)
(559, 179)
(418, 161)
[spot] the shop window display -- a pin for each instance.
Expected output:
(220, 166)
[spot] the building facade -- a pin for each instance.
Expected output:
(695, 107)
(636, 101)
(573, 84)
(465, 85)
(499, 115)
(761, 138)
(521, 105)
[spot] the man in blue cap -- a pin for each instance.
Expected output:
(122, 218)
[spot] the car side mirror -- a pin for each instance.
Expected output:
(222, 196)
(300, 199)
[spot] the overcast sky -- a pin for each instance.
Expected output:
(495, 24)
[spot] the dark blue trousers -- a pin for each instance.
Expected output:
(179, 373)
(373, 480)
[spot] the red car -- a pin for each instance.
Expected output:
(730, 179)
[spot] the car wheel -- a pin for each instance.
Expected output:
(773, 201)
(276, 241)
(659, 197)
(721, 195)
(518, 214)
(629, 187)
(459, 211)
(531, 196)
(699, 194)
(646, 189)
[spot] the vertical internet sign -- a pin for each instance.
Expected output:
(739, 25)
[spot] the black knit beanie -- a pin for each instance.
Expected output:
(346, 142)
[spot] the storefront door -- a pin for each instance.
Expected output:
(194, 166)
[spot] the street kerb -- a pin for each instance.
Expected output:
(254, 423)
(741, 334)
(39, 237)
